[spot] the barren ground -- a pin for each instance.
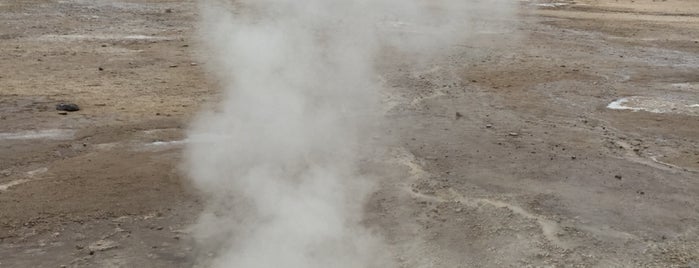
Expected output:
(502, 153)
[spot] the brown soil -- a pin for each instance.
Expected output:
(535, 170)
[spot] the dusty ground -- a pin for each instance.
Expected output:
(534, 170)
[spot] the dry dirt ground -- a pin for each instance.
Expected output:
(501, 153)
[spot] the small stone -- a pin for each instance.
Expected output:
(488, 126)
(63, 113)
(459, 115)
(173, 66)
(618, 177)
(100, 68)
(194, 64)
(513, 134)
(169, 10)
(573, 157)
(68, 107)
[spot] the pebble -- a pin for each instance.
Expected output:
(68, 107)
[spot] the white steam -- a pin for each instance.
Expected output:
(279, 161)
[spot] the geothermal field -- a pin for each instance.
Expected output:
(349, 133)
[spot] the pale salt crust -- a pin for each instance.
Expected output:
(551, 4)
(49, 134)
(30, 175)
(653, 105)
(619, 105)
(100, 37)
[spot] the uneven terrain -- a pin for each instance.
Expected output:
(564, 136)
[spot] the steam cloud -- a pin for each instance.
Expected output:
(278, 158)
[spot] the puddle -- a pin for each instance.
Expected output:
(49, 134)
(655, 105)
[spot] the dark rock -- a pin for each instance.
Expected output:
(618, 177)
(68, 107)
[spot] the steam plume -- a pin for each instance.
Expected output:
(278, 158)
